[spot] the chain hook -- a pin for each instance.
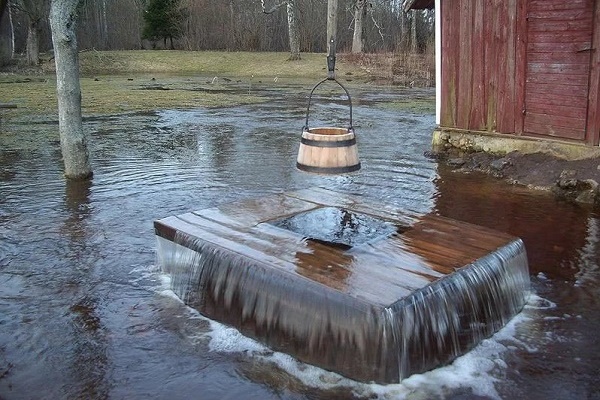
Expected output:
(331, 60)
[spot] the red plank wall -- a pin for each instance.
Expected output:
(522, 67)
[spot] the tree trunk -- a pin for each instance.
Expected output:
(232, 26)
(403, 42)
(332, 8)
(6, 33)
(33, 42)
(103, 25)
(360, 10)
(73, 140)
(413, 33)
(294, 31)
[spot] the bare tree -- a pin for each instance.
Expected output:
(403, 22)
(73, 140)
(95, 15)
(293, 27)
(36, 11)
(332, 14)
(250, 25)
(110, 25)
(7, 44)
(413, 33)
(294, 30)
(360, 12)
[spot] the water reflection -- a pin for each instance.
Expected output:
(77, 202)
(320, 264)
(561, 241)
(553, 231)
(221, 145)
(588, 274)
(89, 363)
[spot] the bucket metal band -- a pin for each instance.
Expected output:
(321, 143)
(328, 170)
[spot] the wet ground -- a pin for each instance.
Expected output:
(571, 180)
(85, 312)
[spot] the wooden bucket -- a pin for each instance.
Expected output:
(328, 150)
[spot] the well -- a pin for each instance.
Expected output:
(341, 282)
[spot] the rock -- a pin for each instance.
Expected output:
(456, 162)
(436, 155)
(588, 191)
(499, 164)
(568, 174)
(567, 179)
(581, 191)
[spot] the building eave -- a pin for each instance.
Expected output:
(419, 5)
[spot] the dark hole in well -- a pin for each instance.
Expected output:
(338, 227)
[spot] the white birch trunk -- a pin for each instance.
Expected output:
(360, 10)
(293, 29)
(73, 140)
(104, 25)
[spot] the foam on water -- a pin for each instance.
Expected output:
(474, 371)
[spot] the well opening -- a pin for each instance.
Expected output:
(338, 226)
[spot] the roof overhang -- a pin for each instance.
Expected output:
(419, 5)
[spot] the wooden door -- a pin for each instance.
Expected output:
(558, 68)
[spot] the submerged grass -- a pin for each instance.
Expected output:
(118, 94)
(128, 81)
(418, 105)
(125, 81)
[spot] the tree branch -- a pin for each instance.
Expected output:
(273, 9)
(379, 28)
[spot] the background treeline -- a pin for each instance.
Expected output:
(236, 25)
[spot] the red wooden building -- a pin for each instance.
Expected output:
(526, 68)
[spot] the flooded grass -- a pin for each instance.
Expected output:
(120, 94)
(128, 81)
(417, 105)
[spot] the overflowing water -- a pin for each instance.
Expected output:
(237, 273)
(86, 313)
(444, 320)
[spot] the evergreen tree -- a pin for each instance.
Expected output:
(163, 19)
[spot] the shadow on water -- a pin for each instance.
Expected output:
(84, 312)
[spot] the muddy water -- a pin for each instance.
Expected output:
(85, 313)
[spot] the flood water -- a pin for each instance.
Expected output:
(86, 313)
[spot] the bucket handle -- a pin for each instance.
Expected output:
(350, 128)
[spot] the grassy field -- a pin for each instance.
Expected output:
(207, 63)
